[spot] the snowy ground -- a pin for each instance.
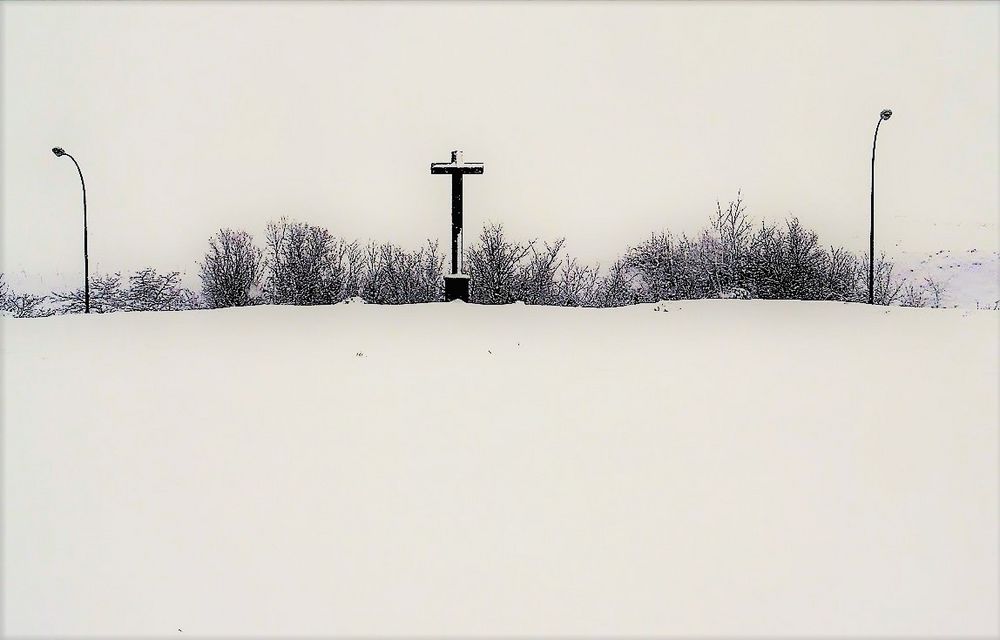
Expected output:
(709, 467)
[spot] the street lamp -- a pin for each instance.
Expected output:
(59, 152)
(885, 115)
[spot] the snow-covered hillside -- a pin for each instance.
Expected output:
(970, 278)
(708, 467)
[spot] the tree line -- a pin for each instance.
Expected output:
(304, 264)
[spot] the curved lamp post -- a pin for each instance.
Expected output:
(885, 115)
(86, 262)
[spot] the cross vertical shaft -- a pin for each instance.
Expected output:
(456, 223)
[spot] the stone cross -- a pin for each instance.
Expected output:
(456, 284)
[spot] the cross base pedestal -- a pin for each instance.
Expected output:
(456, 287)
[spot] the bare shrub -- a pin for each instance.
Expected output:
(888, 285)
(145, 290)
(149, 290)
(732, 257)
(533, 272)
(665, 267)
(392, 275)
(928, 293)
(306, 265)
(495, 266)
(617, 288)
(232, 270)
(537, 275)
(768, 262)
(22, 305)
(106, 296)
(788, 264)
(576, 284)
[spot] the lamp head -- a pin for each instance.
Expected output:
(58, 151)
(886, 114)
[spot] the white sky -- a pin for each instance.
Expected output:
(599, 122)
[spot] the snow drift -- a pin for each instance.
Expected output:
(709, 467)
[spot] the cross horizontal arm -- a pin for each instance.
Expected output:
(447, 167)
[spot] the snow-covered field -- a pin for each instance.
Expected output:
(709, 467)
